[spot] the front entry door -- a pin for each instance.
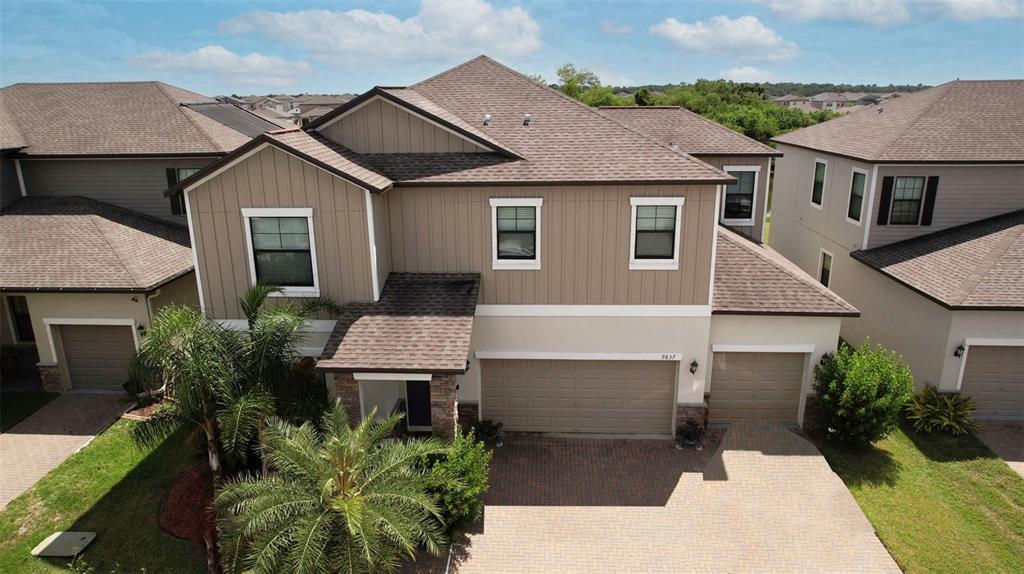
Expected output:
(418, 405)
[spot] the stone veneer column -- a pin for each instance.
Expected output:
(444, 414)
(696, 413)
(346, 389)
(51, 379)
(469, 413)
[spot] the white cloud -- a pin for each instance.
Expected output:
(744, 37)
(748, 74)
(616, 29)
(218, 61)
(885, 12)
(442, 29)
(875, 12)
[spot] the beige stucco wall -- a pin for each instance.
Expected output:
(761, 194)
(380, 126)
(584, 244)
(965, 194)
(677, 339)
(273, 178)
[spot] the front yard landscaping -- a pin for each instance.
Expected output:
(112, 488)
(15, 406)
(939, 503)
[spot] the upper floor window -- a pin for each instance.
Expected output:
(515, 233)
(282, 250)
(740, 197)
(174, 175)
(858, 182)
(907, 193)
(655, 230)
(825, 268)
(818, 186)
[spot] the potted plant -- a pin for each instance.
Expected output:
(689, 434)
(491, 432)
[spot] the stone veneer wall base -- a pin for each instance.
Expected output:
(51, 379)
(691, 412)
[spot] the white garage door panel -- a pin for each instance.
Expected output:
(97, 355)
(619, 397)
(994, 378)
(763, 386)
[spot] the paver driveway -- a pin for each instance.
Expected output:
(765, 501)
(1006, 439)
(36, 445)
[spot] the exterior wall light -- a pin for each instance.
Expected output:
(693, 367)
(959, 351)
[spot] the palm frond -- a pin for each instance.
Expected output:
(239, 421)
(151, 432)
(252, 300)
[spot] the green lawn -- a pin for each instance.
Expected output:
(112, 489)
(939, 503)
(16, 405)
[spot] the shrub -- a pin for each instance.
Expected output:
(931, 411)
(460, 479)
(861, 392)
(141, 378)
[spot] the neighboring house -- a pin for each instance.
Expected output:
(82, 277)
(828, 101)
(313, 114)
(308, 102)
(505, 252)
(791, 100)
(910, 210)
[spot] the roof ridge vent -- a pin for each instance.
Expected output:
(487, 119)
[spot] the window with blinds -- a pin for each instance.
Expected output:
(655, 232)
(281, 251)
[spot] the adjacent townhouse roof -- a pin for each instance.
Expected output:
(80, 244)
(754, 279)
(314, 148)
(323, 100)
(790, 98)
(114, 119)
(979, 265)
(10, 133)
(316, 112)
(235, 118)
(422, 324)
(956, 122)
(564, 141)
(692, 133)
(828, 97)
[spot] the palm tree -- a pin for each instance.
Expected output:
(340, 499)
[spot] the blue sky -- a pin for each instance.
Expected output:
(255, 47)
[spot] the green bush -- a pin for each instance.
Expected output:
(141, 377)
(861, 392)
(931, 411)
(459, 479)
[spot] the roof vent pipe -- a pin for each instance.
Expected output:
(487, 119)
(527, 119)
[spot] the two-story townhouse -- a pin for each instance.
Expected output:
(505, 252)
(911, 211)
(90, 245)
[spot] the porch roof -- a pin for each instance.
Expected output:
(422, 324)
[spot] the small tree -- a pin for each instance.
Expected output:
(573, 82)
(643, 97)
(861, 392)
(459, 479)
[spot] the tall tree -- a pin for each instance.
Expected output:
(574, 82)
(341, 499)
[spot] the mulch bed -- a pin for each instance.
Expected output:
(186, 510)
(142, 411)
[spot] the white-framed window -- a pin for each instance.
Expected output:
(282, 249)
(825, 267)
(818, 182)
(907, 198)
(655, 229)
(175, 175)
(515, 232)
(858, 189)
(740, 197)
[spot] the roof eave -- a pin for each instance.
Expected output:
(785, 313)
(903, 161)
(323, 365)
(521, 183)
(190, 155)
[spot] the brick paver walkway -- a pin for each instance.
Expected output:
(36, 445)
(766, 501)
(1007, 440)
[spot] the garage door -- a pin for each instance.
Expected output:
(97, 355)
(994, 378)
(619, 397)
(763, 386)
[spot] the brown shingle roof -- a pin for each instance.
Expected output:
(79, 244)
(10, 133)
(960, 121)
(422, 324)
(693, 133)
(754, 279)
(975, 266)
(116, 118)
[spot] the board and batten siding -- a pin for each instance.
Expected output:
(382, 127)
(136, 184)
(273, 178)
(965, 194)
(584, 244)
(753, 232)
